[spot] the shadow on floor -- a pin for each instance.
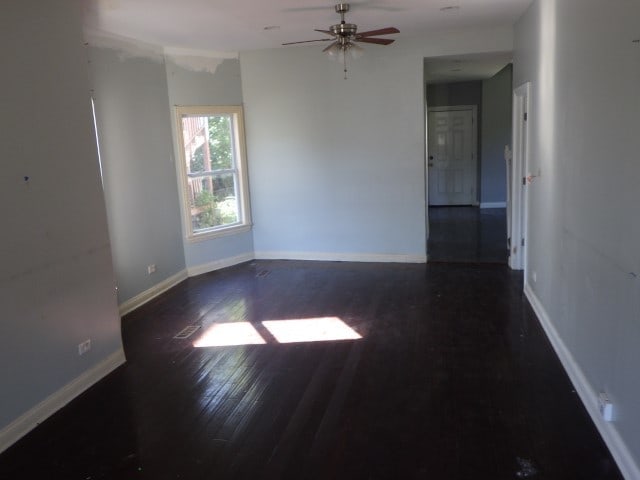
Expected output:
(467, 234)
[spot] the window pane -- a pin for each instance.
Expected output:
(196, 162)
(195, 137)
(213, 201)
(212, 170)
(220, 142)
(208, 143)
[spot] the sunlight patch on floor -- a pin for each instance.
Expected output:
(310, 330)
(322, 329)
(229, 334)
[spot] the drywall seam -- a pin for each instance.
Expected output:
(189, 52)
(127, 48)
(196, 64)
(54, 402)
(198, 60)
(219, 264)
(342, 257)
(151, 293)
(623, 457)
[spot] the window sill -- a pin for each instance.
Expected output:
(222, 232)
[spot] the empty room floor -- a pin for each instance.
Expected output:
(468, 234)
(339, 371)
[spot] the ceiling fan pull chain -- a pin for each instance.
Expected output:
(344, 60)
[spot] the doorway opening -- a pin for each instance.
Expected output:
(467, 234)
(469, 130)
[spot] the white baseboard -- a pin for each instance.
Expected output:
(342, 257)
(493, 205)
(151, 293)
(147, 295)
(54, 402)
(589, 396)
(218, 264)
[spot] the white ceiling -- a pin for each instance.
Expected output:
(461, 68)
(219, 26)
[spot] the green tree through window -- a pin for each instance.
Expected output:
(220, 142)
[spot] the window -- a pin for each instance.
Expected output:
(213, 171)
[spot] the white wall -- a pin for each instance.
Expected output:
(583, 233)
(202, 81)
(337, 166)
(133, 119)
(135, 87)
(496, 133)
(57, 286)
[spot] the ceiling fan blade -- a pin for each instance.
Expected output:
(309, 41)
(382, 31)
(325, 31)
(379, 41)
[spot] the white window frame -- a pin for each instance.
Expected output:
(240, 171)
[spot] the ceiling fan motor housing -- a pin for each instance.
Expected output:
(344, 29)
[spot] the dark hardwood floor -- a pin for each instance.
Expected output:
(468, 235)
(453, 378)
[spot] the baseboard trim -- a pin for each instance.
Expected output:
(493, 205)
(219, 264)
(54, 402)
(147, 295)
(151, 293)
(342, 257)
(619, 450)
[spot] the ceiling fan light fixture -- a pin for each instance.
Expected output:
(333, 51)
(339, 52)
(355, 50)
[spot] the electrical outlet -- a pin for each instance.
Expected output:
(84, 347)
(605, 406)
(151, 268)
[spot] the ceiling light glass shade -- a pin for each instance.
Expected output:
(336, 51)
(333, 51)
(355, 51)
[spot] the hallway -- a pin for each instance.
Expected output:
(468, 235)
(452, 379)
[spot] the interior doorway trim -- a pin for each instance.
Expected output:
(518, 193)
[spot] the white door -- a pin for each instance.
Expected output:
(451, 157)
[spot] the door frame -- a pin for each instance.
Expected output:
(518, 200)
(474, 143)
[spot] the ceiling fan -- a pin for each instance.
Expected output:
(345, 36)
